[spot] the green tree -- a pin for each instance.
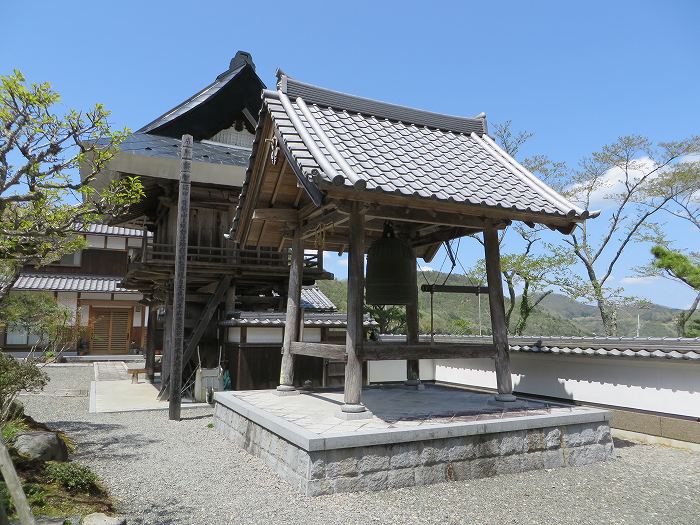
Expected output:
(626, 175)
(685, 269)
(391, 319)
(535, 265)
(44, 199)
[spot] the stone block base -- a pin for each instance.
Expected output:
(419, 462)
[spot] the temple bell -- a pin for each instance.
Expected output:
(390, 265)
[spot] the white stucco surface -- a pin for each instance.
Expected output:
(656, 385)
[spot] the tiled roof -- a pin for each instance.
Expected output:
(682, 349)
(311, 319)
(346, 140)
(313, 298)
(69, 283)
(156, 146)
(103, 229)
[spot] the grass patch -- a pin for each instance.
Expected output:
(14, 427)
(59, 489)
(210, 425)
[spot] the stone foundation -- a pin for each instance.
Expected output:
(408, 463)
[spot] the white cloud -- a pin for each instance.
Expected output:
(613, 181)
(640, 279)
(427, 268)
(343, 262)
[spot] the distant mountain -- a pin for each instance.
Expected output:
(556, 315)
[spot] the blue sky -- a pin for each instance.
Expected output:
(577, 74)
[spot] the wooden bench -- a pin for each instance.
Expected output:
(135, 374)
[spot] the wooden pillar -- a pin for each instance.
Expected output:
(498, 315)
(291, 322)
(151, 343)
(167, 350)
(412, 329)
(180, 285)
(353, 407)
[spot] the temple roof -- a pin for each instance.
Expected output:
(344, 140)
(233, 95)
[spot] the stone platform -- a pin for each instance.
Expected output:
(415, 437)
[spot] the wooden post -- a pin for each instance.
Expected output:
(291, 322)
(353, 407)
(183, 219)
(151, 343)
(230, 304)
(14, 486)
(412, 329)
(498, 315)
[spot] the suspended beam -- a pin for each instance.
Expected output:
(326, 351)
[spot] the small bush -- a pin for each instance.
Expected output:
(36, 496)
(72, 477)
(12, 428)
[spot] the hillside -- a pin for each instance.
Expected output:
(556, 315)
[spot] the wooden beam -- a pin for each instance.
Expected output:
(388, 351)
(355, 330)
(289, 215)
(326, 351)
(204, 319)
(411, 213)
(323, 221)
(499, 328)
(449, 288)
(291, 323)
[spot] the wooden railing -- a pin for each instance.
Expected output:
(157, 252)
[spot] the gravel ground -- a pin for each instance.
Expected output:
(161, 472)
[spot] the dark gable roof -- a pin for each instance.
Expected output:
(334, 139)
(215, 107)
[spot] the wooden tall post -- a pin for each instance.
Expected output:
(412, 329)
(151, 342)
(353, 407)
(291, 322)
(183, 221)
(498, 315)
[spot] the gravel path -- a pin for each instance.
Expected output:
(162, 472)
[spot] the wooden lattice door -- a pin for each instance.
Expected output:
(111, 330)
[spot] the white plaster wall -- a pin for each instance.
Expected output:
(68, 300)
(671, 387)
(116, 243)
(95, 241)
(395, 370)
(312, 335)
(264, 335)
(234, 334)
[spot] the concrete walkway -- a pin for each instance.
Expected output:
(113, 391)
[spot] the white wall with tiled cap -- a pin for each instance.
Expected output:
(652, 384)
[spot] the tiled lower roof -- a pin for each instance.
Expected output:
(311, 319)
(673, 348)
(156, 146)
(313, 298)
(69, 283)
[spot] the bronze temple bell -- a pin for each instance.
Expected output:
(389, 270)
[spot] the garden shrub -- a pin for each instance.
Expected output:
(72, 476)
